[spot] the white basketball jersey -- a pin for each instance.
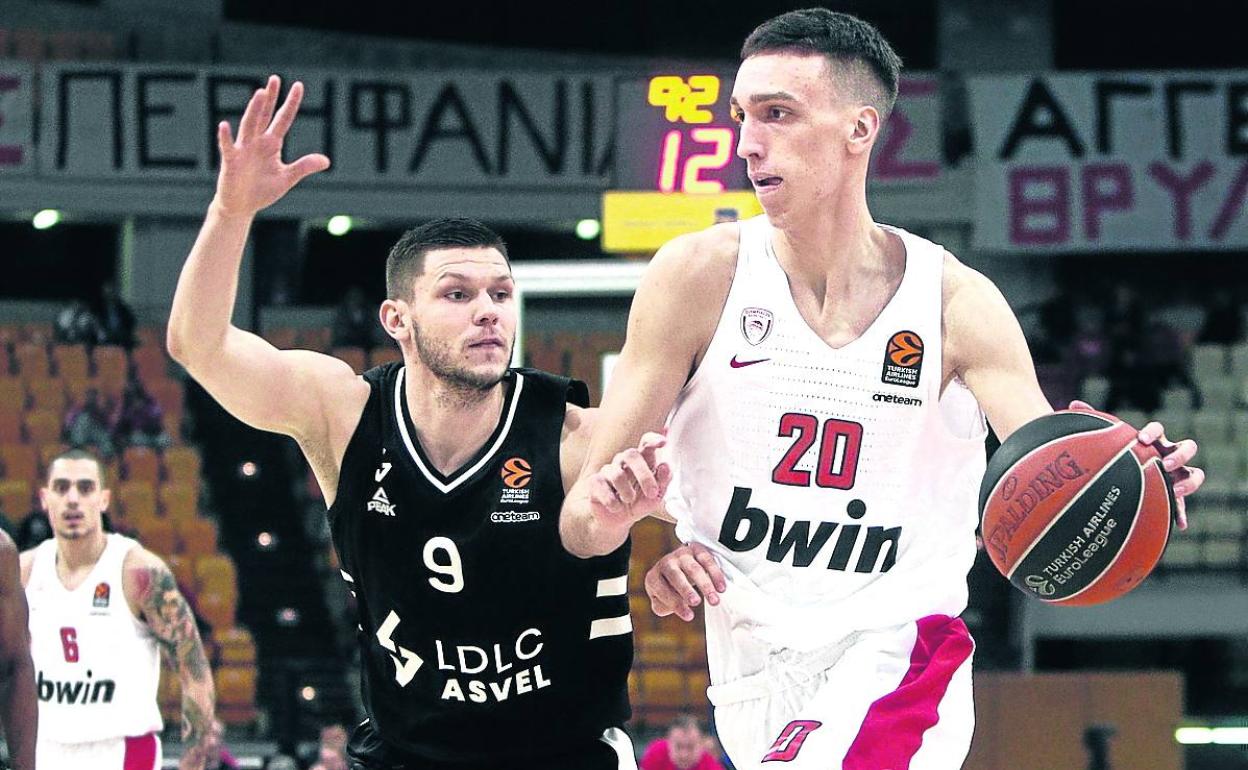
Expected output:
(97, 666)
(837, 486)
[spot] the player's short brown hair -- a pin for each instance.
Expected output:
(845, 40)
(407, 258)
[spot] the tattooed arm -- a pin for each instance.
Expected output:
(19, 713)
(154, 596)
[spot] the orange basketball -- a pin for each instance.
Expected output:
(1074, 509)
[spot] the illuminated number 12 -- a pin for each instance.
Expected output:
(669, 159)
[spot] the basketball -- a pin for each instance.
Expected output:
(1074, 509)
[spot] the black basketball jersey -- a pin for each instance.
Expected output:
(480, 636)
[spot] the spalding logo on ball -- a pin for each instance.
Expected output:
(1074, 510)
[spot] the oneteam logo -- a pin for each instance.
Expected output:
(889, 398)
(514, 517)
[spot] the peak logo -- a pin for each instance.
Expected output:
(381, 503)
(517, 473)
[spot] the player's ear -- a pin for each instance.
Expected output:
(864, 130)
(393, 314)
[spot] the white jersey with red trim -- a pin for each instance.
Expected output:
(97, 666)
(836, 485)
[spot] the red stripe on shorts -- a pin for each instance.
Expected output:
(140, 752)
(893, 729)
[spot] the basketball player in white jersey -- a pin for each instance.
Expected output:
(19, 715)
(101, 609)
(824, 377)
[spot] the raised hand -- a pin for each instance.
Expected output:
(253, 175)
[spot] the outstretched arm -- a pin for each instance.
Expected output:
(19, 711)
(152, 590)
(280, 391)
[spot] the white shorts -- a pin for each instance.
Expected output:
(894, 699)
(141, 752)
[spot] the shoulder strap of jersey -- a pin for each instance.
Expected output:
(44, 564)
(560, 389)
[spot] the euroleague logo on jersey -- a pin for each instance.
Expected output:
(100, 598)
(517, 473)
(903, 359)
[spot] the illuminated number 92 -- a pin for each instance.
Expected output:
(683, 100)
(453, 570)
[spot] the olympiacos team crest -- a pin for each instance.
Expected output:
(756, 324)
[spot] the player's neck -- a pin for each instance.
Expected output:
(451, 422)
(828, 245)
(81, 553)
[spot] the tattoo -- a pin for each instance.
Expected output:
(194, 722)
(171, 620)
(173, 624)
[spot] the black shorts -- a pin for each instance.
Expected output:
(366, 751)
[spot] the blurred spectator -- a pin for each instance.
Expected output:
(1052, 346)
(138, 419)
(355, 323)
(281, 762)
(88, 425)
(332, 753)
(220, 757)
(329, 760)
(1089, 348)
(7, 523)
(684, 748)
(1224, 321)
(33, 530)
(115, 318)
(1145, 367)
(1057, 327)
(75, 325)
(1124, 319)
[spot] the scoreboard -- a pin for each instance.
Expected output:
(674, 134)
(676, 168)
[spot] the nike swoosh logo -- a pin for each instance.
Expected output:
(735, 364)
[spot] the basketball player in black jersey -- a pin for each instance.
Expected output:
(484, 644)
